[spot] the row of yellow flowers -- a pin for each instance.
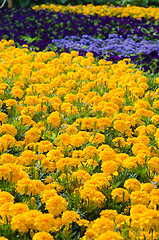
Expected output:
(104, 10)
(62, 118)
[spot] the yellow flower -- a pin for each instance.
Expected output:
(120, 194)
(93, 196)
(140, 197)
(5, 197)
(82, 176)
(120, 126)
(109, 167)
(154, 194)
(47, 195)
(45, 146)
(5, 211)
(153, 164)
(19, 222)
(70, 216)
(98, 138)
(27, 158)
(17, 92)
(3, 117)
(7, 141)
(132, 184)
(56, 205)
(26, 119)
(7, 158)
(109, 213)
(30, 217)
(44, 222)
(77, 141)
(42, 236)
(26, 186)
(103, 224)
(109, 235)
(18, 208)
(32, 135)
(88, 123)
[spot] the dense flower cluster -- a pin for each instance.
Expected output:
(111, 36)
(78, 147)
(104, 10)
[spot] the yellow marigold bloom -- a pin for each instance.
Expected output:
(12, 172)
(97, 181)
(27, 158)
(154, 194)
(147, 187)
(120, 194)
(19, 222)
(119, 142)
(18, 208)
(7, 158)
(10, 103)
(103, 224)
(54, 155)
(67, 162)
(5, 212)
(32, 135)
(90, 234)
(45, 146)
(140, 197)
(85, 135)
(142, 104)
(88, 123)
(90, 152)
(82, 176)
(107, 154)
(64, 139)
(26, 186)
(5, 197)
(156, 104)
(153, 164)
(30, 217)
(70, 216)
(44, 222)
(42, 236)
(98, 138)
(103, 123)
(94, 196)
(47, 195)
(26, 119)
(121, 219)
(30, 110)
(109, 235)
(132, 184)
(109, 167)
(142, 112)
(137, 147)
(6, 141)
(108, 213)
(3, 238)
(39, 186)
(3, 117)
(120, 126)
(56, 205)
(77, 141)
(155, 119)
(17, 92)
(71, 129)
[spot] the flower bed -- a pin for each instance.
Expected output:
(79, 141)
(26, 26)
